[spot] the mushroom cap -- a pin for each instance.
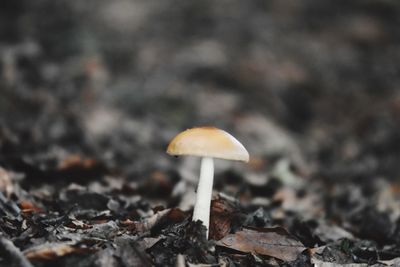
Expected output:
(208, 142)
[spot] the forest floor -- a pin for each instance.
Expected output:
(91, 94)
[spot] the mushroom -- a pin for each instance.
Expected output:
(207, 143)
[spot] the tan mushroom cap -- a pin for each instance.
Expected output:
(208, 142)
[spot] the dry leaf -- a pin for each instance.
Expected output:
(76, 224)
(148, 223)
(5, 182)
(28, 207)
(171, 215)
(52, 251)
(222, 213)
(275, 242)
(76, 161)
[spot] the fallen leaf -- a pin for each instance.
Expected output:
(28, 207)
(275, 242)
(222, 214)
(164, 216)
(5, 183)
(52, 251)
(76, 224)
(148, 223)
(76, 161)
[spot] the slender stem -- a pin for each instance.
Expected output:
(204, 191)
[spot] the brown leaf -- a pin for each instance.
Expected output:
(222, 214)
(275, 242)
(28, 207)
(148, 223)
(75, 168)
(76, 161)
(169, 215)
(52, 251)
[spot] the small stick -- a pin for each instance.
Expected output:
(63, 218)
(9, 250)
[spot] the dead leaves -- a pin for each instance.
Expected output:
(146, 225)
(76, 162)
(164, 216)
(274, 242)
(222, 214)
(28, 207)
(52, 251)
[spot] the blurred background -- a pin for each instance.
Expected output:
(315, 83)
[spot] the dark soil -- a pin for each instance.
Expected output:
(91, 93)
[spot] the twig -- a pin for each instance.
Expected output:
(63, 218)
(10, 251)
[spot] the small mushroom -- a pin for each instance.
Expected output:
(208, 143)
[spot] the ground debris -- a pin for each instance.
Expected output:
(275, 242)
(91, 94)
(222, 214)
(347, 251)
(188, 238)
(52, 251)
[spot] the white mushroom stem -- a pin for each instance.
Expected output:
(204, 191)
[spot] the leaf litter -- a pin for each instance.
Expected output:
(84, 180)
(274, 242)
